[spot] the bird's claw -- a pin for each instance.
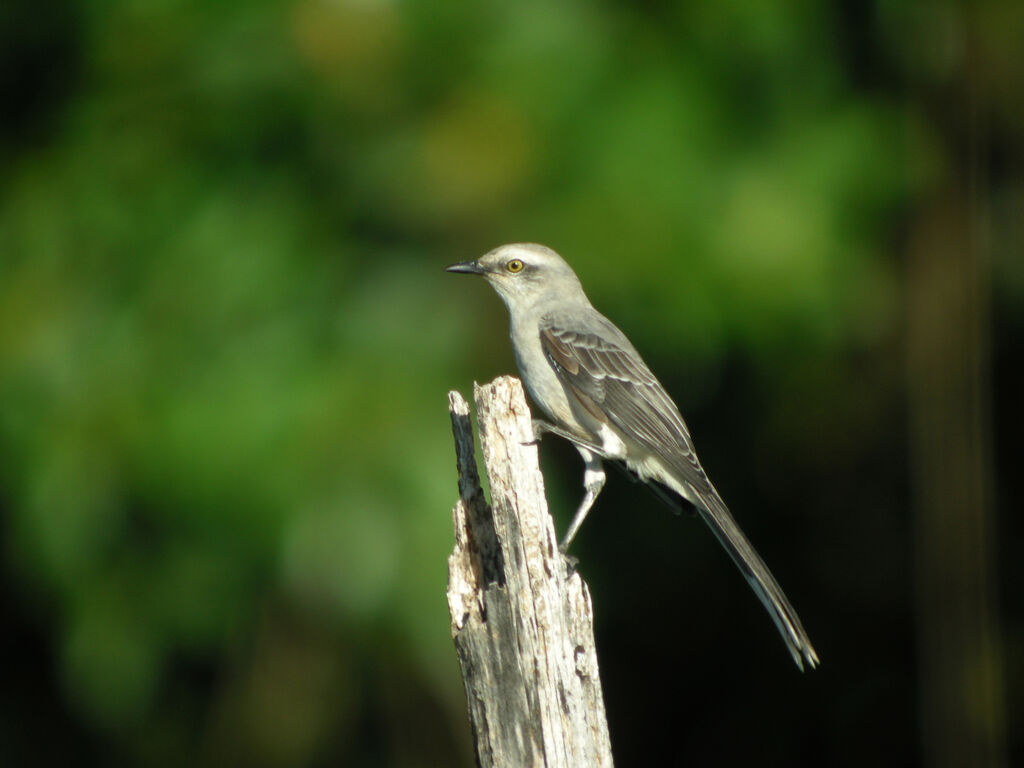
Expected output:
(571, 562)
(540, 428)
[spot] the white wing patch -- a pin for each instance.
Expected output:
(612, 446)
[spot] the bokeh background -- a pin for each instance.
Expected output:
(226, 471)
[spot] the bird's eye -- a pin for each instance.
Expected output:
(515, 265)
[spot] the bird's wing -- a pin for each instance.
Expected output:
(613, 383)
(609, 379)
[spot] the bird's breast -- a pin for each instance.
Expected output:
(539, 377)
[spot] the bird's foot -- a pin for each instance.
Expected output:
(571, 562)
(540, 428)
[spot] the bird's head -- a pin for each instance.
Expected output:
(522, 273)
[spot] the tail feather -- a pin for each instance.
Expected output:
(718, 518)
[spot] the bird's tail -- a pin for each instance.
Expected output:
(714, 512)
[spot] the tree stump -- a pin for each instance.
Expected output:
(521, 618)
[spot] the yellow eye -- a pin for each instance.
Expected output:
(515, 265)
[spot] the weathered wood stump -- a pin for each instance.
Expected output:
(522, 619)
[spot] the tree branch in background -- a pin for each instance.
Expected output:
(963, 720)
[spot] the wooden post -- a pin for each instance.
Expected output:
(521, 621)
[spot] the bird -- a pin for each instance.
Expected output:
(599, 394)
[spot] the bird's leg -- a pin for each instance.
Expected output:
(593, 482)
(593, 473)
(541, 428)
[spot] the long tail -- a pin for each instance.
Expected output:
(714, 512)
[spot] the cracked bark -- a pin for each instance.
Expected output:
(522, 624)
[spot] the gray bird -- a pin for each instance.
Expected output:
(583, 372)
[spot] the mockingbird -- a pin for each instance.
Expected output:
(583, 372)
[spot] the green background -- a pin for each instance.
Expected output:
(226, 337)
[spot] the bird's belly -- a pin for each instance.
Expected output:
(544, 387)
(547, 391)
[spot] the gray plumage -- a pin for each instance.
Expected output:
(598, 392)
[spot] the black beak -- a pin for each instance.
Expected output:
(466, 267)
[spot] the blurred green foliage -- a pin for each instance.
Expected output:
(225, 335)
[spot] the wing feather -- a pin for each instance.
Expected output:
(616, 380)
(612, 382)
